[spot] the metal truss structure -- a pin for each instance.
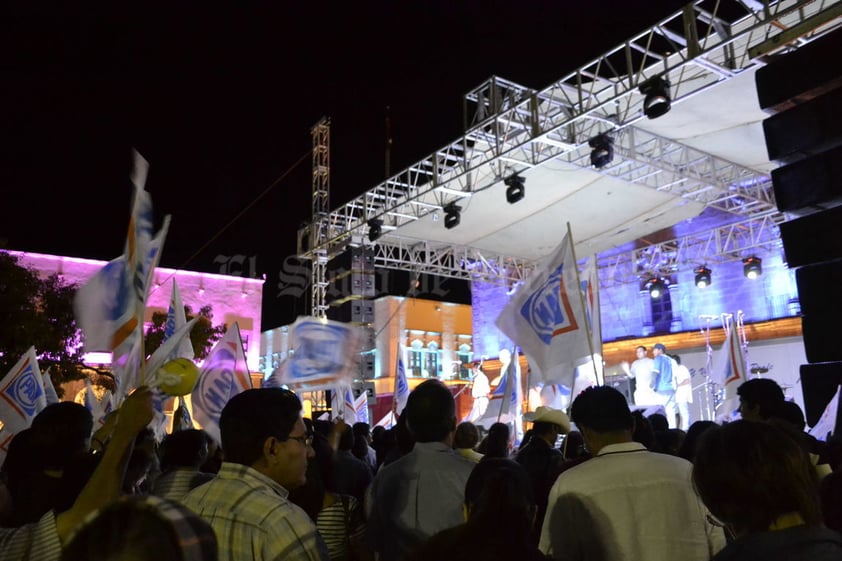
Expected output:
(725, 243)
(458, 262)
(666, 165)
(718, 245)
(510, 128)
(319, 231)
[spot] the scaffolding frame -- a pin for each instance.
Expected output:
(509, 127)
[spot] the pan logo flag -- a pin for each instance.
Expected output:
(548, 309)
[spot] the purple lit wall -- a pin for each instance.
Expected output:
(625, 310)
(487, 301)
(232, 299)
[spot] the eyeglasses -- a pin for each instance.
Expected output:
(306, 440)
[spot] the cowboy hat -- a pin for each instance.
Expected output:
(549, 415)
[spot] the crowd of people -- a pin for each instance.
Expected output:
(604, 483)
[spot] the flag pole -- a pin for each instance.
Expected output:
(583, 303)
(141, 305)
(597, 302)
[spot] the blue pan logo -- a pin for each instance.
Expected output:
(25, 391)
(547, 310)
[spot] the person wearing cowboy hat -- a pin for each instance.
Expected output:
(541, 459)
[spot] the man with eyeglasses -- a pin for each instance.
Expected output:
(266, 446)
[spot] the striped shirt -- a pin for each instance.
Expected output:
(341, 525)
(175, 484)
(253, 519)
(33, 542)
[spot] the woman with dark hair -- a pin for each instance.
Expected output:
(497, 444)
(760, 483)
(498, 496)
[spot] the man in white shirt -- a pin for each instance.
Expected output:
(626, 502)
(641, 372)
(423, 492)
(683, 392)
(479, 391)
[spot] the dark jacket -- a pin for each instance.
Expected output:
(542, 464)
(801, 543)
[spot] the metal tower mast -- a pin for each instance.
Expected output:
(321, 210)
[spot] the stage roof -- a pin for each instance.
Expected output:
(700, 167)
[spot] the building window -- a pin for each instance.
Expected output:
(662, 313)
(433, 362)
(416, 359)
(465, 358)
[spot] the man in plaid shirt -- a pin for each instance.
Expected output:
(266, 447)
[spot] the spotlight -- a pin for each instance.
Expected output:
(375, 229)
(515, 188)
(657, 92)
(602, 150)
(452, 216)
(702, 276)
(752, 267)
(657, 286)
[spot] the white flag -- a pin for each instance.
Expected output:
(98, 408)
(827, 422)
(49, 389)
(21, 394)
(361, 407)
(590, 292)
(401, 392)
(342, 404)
(109, 304)
(509, 386)
(325, 354)
(729, 371)
(176, 319)
(388, 421)
(545, 318)
(224, 374)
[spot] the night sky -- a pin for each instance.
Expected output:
(221, 101)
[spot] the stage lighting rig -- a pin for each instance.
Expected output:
(452, 215)
(657, 101)
(375, 229)
(752, 267)
(657, 287)
(702, 276)
(602, 150)
(515, 188)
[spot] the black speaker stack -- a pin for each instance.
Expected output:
(350, 296)
(802, 90)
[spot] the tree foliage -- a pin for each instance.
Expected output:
(203, 335)
(38, 312)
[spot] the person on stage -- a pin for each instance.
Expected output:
(480, 389)
(663, 382)
(640, 373)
